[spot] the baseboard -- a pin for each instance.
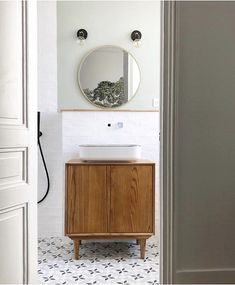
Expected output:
(210, 276)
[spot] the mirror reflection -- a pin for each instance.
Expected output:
(109, 76)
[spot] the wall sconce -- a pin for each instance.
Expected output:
(81, 36)
(136, 38)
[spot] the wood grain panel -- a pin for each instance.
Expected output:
(131, 199)
(87, 199)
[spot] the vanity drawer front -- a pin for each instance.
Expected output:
(86, 199)
(132, 199)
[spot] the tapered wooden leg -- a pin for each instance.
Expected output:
(76, 243)
(142, 248)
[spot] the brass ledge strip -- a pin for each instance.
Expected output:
(108, 110)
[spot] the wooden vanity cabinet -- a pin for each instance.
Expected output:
(113, 200)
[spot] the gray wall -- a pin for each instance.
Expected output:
(204, 177)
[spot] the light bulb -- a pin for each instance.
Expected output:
(80, 41)
(137, 43)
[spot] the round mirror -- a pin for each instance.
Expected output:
(109, 76)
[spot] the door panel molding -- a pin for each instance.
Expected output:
(14, 246)
(17, 114)
(13, 167)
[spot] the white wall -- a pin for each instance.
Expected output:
(108, 23)
(63, 132)
(50, 214)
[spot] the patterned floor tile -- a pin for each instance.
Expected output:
(100, 263)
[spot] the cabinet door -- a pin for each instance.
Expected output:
(132, 199)
(86, 199)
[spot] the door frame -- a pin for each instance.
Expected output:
(167, 139)
(167, 130)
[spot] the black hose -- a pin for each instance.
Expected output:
(45, 167)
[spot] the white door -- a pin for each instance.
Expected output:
(18, 143)
(199, 142)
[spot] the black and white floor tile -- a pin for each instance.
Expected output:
(100, 263)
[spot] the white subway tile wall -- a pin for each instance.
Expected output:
(91, 128)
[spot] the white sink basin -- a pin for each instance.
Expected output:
(124, 152)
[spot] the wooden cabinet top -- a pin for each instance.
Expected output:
(109, 162)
